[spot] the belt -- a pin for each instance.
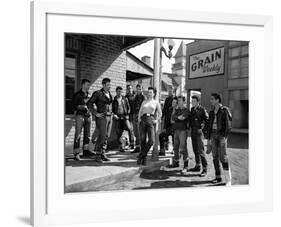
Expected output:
(106, 113)
(195, 128)
(123, 116)
(147, 115)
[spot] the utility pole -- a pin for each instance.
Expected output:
(156, 84)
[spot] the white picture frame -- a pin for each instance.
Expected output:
(49, 205)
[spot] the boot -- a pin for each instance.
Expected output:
(140, 157)
(185, 165)
(175, 164)
(104, 157)
(88, 153)
(141, 160)
(204, 172)
(121, 149)
(217, 180)
(166, 146)
(227, 174)
(77, 157)
(132, 147)
(162, 152)
(197, 168)
(137, 150)
(98, 158)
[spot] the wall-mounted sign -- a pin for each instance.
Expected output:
(208, 63)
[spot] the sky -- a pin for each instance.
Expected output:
(148, 48)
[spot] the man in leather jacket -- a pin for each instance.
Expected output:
(198, 120)
(218, 129)
(82, 120)
(121, 110)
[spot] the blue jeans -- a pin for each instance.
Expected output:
(164, 138)
(82, 122)
(120, 126)
(136, 128)
(147, 134)
(197, 138)
(180, 144)
(103, 125)
(218, 145)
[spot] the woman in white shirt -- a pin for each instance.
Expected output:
(149, 115)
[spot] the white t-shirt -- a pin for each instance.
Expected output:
(150, 107)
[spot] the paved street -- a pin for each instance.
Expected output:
(122, 173)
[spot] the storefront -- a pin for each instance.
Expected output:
(221, 67)
(93, 57)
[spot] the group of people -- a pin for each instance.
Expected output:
(139, 115)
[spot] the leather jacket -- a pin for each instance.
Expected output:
(103, 103)
(125, 103)
(79, 101)
(198, 118)
(223, 122)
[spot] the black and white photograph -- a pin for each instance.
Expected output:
(154, 112)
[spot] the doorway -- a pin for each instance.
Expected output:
(70, 80)
(192, 92)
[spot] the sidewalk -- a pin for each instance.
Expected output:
(122, 172)
(87, 175)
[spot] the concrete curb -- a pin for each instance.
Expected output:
(153, 166)
(95, 184)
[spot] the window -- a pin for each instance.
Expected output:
(70, 71)
(234, 52)
(238, 61)
(244, 66)
(235, 68)
(245, 50)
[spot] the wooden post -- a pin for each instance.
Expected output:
(156, 84)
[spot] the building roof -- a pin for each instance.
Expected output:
(139, 61)
(181, 52)
(137, 69)
(168, 79)
(132, 41)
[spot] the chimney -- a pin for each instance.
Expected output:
(146, 60)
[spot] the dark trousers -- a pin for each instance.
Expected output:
(180, 144)
(147, 133)
(95, 136)
(121, 125)
(103, 125)
(131, 134)
(197, 139)
(218, 145)
(82, 122)
(136, 130)
(94, 139)
(164, 138)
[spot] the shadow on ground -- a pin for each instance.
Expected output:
(238, 140)
(117, 159)
(86, 163)
(174, 179)
(162, 175)
(178, 184)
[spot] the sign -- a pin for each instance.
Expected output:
(208, 63)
